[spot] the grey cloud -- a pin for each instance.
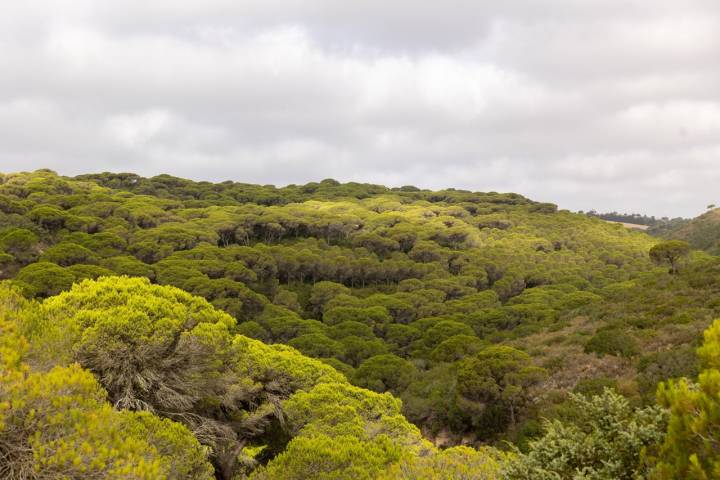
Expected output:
(607, 104)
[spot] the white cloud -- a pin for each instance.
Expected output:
(135, 131)
(607, 104)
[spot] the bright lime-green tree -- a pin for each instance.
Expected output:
(453, 463)
(357, 434)
(159, 349)
(692, 445)
(58, 424)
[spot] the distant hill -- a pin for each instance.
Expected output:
(702, 233)
(636, 220)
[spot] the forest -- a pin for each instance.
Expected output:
(639, 219)
(162, 328)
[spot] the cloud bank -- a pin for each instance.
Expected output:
(606, 104)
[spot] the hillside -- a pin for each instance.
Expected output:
(311, 309)
(702, 233)
(176, 358)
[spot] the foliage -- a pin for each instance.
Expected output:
(612, 341)
(356, 434)
(57, 424)
(44, 279)
(701, 233)
(671, 252)
(386, 372)
(453, 463)
(608, 440)
(450, 300)
(66, 254)
(163, 350)
(637, 219)
(351, 410)
(20, 243)
(691, 446)
(324, 458)
(493, 386)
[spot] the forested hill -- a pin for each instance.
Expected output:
(203, 194)
(702, 232)
(482, 312)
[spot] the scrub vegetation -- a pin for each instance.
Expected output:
(164, 328)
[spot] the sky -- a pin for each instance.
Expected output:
(604, 104)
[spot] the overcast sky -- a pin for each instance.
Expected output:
(606, 104)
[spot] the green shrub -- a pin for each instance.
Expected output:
(612, 342)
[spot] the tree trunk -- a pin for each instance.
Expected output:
(226, 463)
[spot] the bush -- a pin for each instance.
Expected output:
(606, 442)
(612, 342)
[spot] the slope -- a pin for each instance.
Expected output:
(402, 290)
(702, 233)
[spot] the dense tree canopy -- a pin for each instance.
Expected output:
(58, 424)
(164, 368)
(321, 330)
(346, 273)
